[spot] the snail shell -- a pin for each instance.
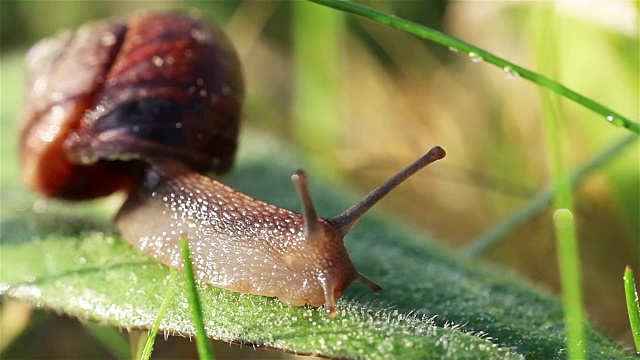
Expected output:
(153, 84)
(146, 105)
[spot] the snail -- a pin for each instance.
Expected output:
(148, 105)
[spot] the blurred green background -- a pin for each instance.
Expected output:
(360, 101)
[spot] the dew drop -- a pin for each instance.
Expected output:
(511, 74)
(408, 343)
(615, 120)
(40, 206)
(20, 207)
(475, 58)
(201, 36)
(100, 109)
(48, 133)
(56, 96)
(452, 49)
(157, 61)
(40, 85)
(107, 39)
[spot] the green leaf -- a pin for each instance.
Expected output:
(435, 304)
(633, 305)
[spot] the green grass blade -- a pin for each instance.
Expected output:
(633, 306)
(570, 281)
(111, 338)
(148, 346)
(541, 201)
(427, 33)
(318, 98)
(202, 340)
(565, 230)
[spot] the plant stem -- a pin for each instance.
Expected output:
(427, 33)
(202, 341)
(541, 201)
(148, 346)
(566, 239)
(633, 306)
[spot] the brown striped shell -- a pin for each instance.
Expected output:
(152, 84)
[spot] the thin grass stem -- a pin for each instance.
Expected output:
(570, 281)
(205, 350)
(451, 42)
(633, 306)
(563, 219)
(541, 201)
(148, 346)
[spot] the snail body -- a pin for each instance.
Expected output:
(237, 242)
(155, 107)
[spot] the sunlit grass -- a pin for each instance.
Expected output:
(203, 343)
(151, 338)
(563, 216)
(541, 201)
(633, 306)
(478, 54)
